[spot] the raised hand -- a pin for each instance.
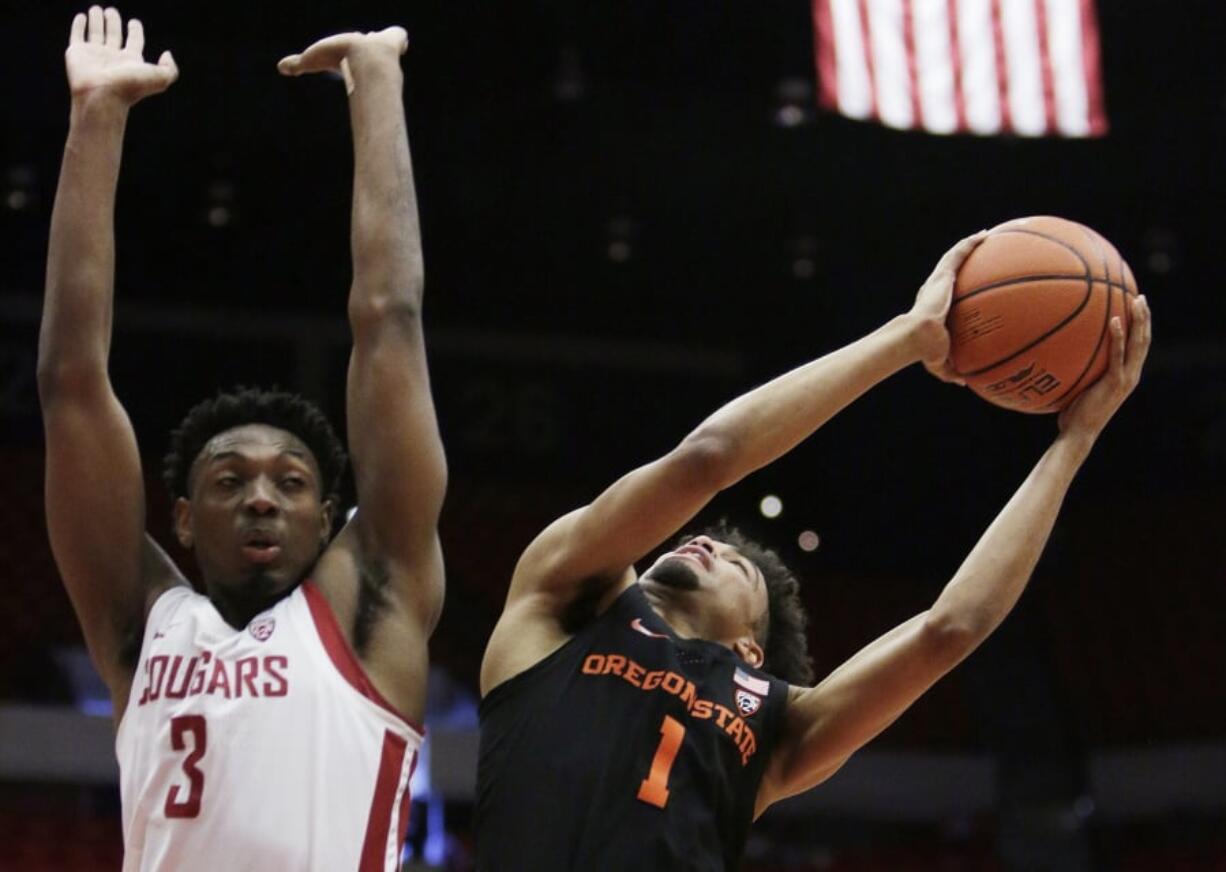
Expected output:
(1091, 411)
(331, 53)
(99, 62)
(932, 307)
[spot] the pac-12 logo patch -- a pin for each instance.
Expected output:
(262, 627)
(747, 702)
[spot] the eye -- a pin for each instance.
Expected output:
(293, 482)
(228, 481)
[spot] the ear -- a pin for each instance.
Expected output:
(326, 514)
(182, 513)
(749, 651)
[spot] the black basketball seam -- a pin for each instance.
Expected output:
(1101, 333)
(1088, 278)
(1037, 278)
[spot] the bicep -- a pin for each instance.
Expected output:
(95, 505)
(602, 540)
(399, 465)
(826, 724)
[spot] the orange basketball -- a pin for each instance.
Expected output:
(1032, 305)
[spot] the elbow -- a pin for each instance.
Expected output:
(952, 637)
(58, 376)
(707, 458)
(378, 303)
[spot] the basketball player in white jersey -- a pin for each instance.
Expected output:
(273, 722)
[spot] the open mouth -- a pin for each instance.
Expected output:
(260, 548)
(693, 552)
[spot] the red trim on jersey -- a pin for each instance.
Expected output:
(374, 846)
(342, 655)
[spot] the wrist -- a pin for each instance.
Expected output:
(921, 337)
(1077, 443)
(98, 107)
(370, 57)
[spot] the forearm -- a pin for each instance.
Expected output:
(766, 423)
(386, 240)
(994, 574)
(76, 325)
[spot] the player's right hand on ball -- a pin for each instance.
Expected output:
(1091, 411)
(100, 62)
(932, 307)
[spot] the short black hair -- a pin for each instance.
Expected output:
(782, 630)
(242, 405)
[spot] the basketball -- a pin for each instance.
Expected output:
(1029, 324)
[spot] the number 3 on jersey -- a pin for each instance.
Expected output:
(654, 789)
(179, 728)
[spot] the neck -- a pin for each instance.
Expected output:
(238, 606)
(673, 611)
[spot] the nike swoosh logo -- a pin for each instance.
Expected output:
(637, 624)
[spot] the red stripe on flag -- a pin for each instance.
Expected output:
(866, 39)
(955, 57)
(827, 59)
(379, 822)
(1049, 81)
(1093, 69)
(908, 30)
(1002, 68)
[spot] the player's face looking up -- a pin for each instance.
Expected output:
(723, 592)
(255, 515)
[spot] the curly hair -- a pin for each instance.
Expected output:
(229, 409)
(781, 631)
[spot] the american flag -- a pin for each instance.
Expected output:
(751, 683)
(1026, 67)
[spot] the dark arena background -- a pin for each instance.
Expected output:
(632, 211)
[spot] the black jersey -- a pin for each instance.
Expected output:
(627, 749)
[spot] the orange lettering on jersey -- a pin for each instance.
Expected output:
(633, 673)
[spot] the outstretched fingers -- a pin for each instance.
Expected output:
(77, 34)
(136, 38)
(1139, 337)
(114, 28)
(96, 32)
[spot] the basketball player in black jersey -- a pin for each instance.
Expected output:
(642, 722)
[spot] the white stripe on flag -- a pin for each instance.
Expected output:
(855, 95)
(893, 81)
(1068, 68)
(1021, 35)
(750, 683)
(934, 58)
(985, 66)
(980, 87)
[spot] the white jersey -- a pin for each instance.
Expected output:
(265, 748)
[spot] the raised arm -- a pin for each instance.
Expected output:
(95, 498)
(398, 458)
(827, 723)
(590, 551)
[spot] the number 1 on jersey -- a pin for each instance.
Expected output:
(654, 789)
